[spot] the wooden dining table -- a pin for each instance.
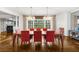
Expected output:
(17, 36)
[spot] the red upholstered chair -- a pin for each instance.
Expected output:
(31, 29)
(37, 38)
(50, 35)
(38, 29)
(62, 36)
(44, 29)
(61, 30)
(25, 37)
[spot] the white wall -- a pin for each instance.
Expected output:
(0, 26)
(63, 20)
(21, 22)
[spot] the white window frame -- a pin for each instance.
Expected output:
(51, 23)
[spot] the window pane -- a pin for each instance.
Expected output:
(30, 24)
(39, 23)
(48, 24)
(77, 21)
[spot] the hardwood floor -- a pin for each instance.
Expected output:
(70, 45)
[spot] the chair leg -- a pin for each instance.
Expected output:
(18, 40)
(21, 43)
(34, 46)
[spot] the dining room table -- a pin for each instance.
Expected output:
(58, 36)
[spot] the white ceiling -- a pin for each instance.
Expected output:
(41, 11)
(76, 13)
(5, 15)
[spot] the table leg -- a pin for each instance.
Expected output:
(62, 42)
(59, 42)
(14, 37)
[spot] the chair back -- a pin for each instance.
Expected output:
(38, 29)
(50, 35)
(31, 29)
(57, 31)
(17, 31)
(37, 36)
(44, 29)
(25, 37)
(61, 30)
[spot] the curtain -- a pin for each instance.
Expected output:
(54, 22)
(24, 22)
(73, 22)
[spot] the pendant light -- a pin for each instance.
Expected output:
(30, 16)
(31, 12)
(47, 13)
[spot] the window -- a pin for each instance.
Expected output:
(39, 23)
(48, 24)
(30, 24)
(77, 21)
